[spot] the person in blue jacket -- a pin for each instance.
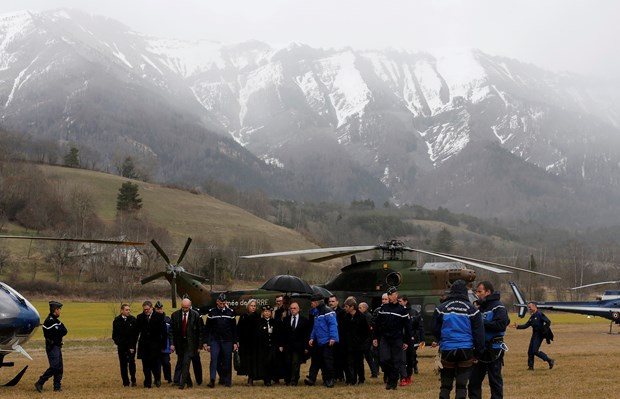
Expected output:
(540, 324)
(457, 324)
(495, 319)
(323, 337)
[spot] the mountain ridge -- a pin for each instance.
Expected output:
(393, 118)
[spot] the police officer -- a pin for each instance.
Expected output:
(539, 323)
(323, 337)
(220, 339)
(125, 336)
(458, 326)
(417, 337)
(495, 319)
(53, 331)
(392, 334)
(165, 352)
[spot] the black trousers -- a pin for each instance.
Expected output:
(496, 382)
(196, 365)
(355, 367)
(457, 367)
(370, 356)
(127, 361)
(322, 359)
(534, 350)
(166, 368)
(151, 367)
(54, 357)
(292, 361)
(391, 358)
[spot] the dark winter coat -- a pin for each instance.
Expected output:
(125, 332)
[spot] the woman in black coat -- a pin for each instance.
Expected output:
(267, 346)
(246, 331)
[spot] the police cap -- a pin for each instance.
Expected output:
(392, 290)
(158, 305)
(55, 305)
(266, 307)
(222, 297)
(316, 297)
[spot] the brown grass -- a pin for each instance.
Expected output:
(586, 359)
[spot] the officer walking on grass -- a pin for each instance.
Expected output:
(540, 330)
(53, 331)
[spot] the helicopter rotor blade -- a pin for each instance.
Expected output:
(459, 259)
(173, 291)
(189, 241)
(152, 277)
(197, 277)
(314, 251)
(595, 284)
(519, 269)
(335, 256)
(88, 240)
(161, 251)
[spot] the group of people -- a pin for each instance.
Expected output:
(271, 344)
(471, 340)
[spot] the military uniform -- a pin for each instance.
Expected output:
(392, 329)
(539, 323)
(495, 319)
(220, 335)
(125, 336)
(53, 331)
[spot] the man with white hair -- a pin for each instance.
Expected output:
(186, 340)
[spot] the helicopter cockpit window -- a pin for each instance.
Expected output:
(393, 279)
(8, 306)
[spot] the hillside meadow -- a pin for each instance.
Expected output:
(181, 212)
(586, 365)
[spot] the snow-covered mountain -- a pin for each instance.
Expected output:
(341, 124)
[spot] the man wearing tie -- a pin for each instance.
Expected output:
(125, 336)
(293, 340)
(152, 339)
(186, 326)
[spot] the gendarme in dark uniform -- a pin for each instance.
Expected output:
(53, 331)
(392, 333)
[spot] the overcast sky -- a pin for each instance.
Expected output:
(559, 35)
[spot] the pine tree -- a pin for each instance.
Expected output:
(72, 159)
(443, 241)
(128, 198)
(128, 169)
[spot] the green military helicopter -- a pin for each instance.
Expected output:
(366, 280)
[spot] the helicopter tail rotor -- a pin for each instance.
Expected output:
(172, 270)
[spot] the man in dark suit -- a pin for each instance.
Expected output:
(293, 339)
(152, 339)
(186, 326)
(125, 336)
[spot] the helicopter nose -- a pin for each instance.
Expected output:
(27, 321)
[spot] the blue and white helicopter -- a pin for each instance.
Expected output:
(19, 319)
(606, 306)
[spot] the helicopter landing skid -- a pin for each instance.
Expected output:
(16, 379)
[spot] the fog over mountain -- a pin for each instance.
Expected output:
(479, 134)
